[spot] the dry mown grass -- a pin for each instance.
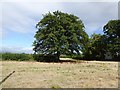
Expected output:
(88, 74)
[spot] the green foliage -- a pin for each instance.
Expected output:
(65, 56)
(38, 57)
(78, 57)
(60, 33)
(17, 57)
(108, 42)
(112, 33)
(96, 47)
(0, 56)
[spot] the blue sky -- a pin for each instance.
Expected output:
(18, 19)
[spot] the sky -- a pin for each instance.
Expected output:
(18, 19)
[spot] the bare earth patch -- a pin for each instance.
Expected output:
(87, 74)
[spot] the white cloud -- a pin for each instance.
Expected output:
(1, 33)
(93, 14)
(22, 17)
(0, 20)
(59, 0)
(16, 49)
(13, 20)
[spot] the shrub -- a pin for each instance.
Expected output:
(65, 56)
(45, 58)
(79, 57)
(38, 57)
(17, 57)
(72, 56)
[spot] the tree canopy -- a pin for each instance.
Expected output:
(112, 32)
(99, 44)
(96, 47)
(60, 33)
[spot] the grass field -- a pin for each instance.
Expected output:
(85, 74)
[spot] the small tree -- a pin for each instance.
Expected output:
(60, 33)
(96, 46)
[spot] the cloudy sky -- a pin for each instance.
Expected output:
(19, 17)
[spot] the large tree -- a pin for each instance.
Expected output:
(60, 33)
(112, 33)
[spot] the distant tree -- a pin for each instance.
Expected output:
(60, 33)
(96, 47)
(112, 33)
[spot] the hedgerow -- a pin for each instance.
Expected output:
(16, 56)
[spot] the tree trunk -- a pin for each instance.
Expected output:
(58, 55)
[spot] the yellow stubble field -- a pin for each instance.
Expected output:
(85, 74)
